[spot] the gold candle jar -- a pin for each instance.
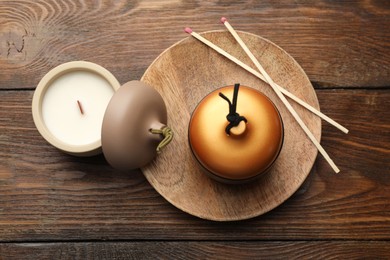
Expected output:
(249, 147)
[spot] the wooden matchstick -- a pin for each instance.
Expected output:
(258, 74)
(280, 95)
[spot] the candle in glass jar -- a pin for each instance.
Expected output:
(69, 105)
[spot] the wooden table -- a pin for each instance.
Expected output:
(55, 206)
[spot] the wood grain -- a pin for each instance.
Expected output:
(48, 195)
(198, 250)
(187, 72)
(337, 43)
(55, 206)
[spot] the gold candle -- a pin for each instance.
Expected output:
(249, 148)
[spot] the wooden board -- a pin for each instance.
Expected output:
(50, 196)
(197, 250)
(183, 75)
(338, 43)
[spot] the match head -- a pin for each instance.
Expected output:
(223, 20)
(188, 30)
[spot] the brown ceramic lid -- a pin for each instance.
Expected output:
(134, 109)
(250, 149)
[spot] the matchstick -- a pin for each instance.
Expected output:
(257, 74)
(280, 95)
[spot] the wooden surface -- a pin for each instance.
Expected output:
(54, 206)
(188, 71)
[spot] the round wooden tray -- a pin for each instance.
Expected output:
(185, 73)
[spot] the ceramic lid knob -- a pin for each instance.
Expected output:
(249, 149)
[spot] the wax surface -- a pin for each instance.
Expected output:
(61, 113)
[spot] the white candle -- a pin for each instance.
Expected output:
(69, 105)
(61, 112)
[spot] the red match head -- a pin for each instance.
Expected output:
(188, 30)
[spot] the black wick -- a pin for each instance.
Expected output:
(233, 117)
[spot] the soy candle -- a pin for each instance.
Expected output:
(69, 105)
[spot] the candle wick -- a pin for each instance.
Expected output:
(80, 107)
(233, 117)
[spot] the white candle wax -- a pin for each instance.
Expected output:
(61, 113)
(69, 105)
